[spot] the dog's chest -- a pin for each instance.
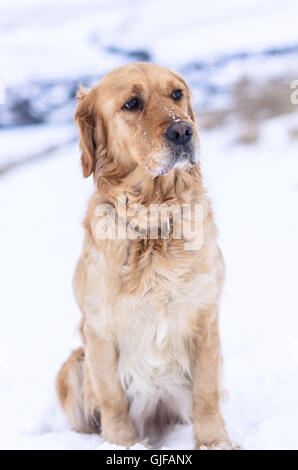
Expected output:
(154, 363)
(152, 329)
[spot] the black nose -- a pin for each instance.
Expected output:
(179, 133)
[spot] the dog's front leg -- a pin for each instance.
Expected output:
(101, 355)
(209, 426)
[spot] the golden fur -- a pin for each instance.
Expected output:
(151, 350)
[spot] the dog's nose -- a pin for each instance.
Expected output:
(179, 133)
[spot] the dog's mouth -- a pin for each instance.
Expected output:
(180, 157)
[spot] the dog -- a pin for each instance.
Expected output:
(151, 347)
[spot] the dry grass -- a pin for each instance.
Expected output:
(252, 103)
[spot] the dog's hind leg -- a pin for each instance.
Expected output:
(75, 394)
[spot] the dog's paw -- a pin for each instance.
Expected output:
(118, 444)
(120, 435)
(222, 445)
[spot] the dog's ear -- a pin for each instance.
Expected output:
(85, 117)
(189, 104)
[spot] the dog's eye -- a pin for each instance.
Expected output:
(176, 95)
(133, 104)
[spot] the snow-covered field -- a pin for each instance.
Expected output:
(254, 190)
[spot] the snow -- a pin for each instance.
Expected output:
(254, 190)
(85, 32)
(255, 197)
(256, 203)
(108, 446)
(35, 140)
(48, 48)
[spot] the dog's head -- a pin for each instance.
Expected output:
(139, 115)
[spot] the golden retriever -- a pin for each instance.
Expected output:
(151, 348)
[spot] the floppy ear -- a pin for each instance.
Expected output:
(85, 117)
(189, 104)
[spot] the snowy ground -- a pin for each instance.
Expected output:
(255, 195)
(254, 191)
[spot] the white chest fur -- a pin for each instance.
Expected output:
(154, 367)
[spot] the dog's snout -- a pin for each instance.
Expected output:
(179, 133)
